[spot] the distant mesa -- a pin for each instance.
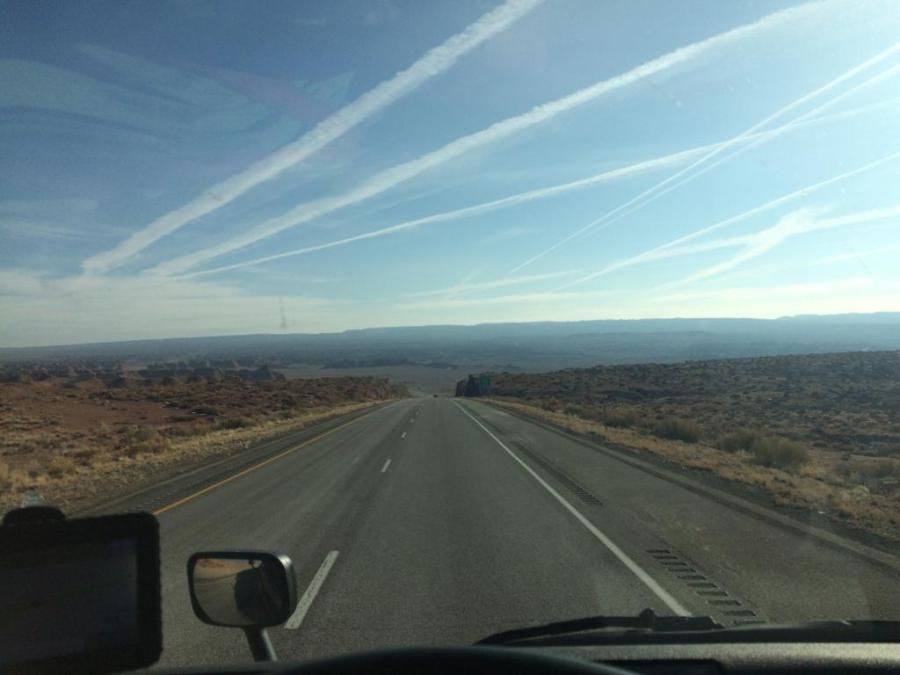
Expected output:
(381, 362)
(115, 376)
(167, 374)
(509, 347)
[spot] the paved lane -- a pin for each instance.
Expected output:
(780, 574)
(459, 542)
(435, 521)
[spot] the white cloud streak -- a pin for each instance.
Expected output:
(769, 270)
(398, 174)
(672, 182)
(536, 299)
(45, 231)
(855, 256)
(662, 251)
(802, 221)
(636, 169)
(507, 234)
(474, 210)
(432, 64)
(462, 288)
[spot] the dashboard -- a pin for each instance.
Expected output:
(692, 659)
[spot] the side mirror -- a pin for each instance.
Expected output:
(242, 589)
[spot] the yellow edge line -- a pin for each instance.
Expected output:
(210, 488)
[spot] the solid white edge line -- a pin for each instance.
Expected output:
(311, 592)
(623, 557)
(386, 466)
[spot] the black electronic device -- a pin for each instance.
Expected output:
(78, 595)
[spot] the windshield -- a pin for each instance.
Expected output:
(487, 314)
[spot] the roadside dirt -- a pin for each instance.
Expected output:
(818, 485)
(78, 441)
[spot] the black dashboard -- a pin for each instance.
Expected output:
(691, 659)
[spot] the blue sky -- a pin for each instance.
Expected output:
(180, 169)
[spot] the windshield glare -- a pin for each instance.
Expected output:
(488, 315)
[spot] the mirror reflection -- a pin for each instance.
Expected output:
(239, 592)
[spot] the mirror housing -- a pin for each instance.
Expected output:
(242, 589)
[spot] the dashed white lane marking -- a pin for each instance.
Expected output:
(623, 557)
(403, 435)
(311, 592)
(386, 466)
(356, 459)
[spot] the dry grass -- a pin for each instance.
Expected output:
(81, 444)
(818, 431)
(862, 491)
(846, 403)
(81, 477)
(677, 430)
(781, 453)
(736, 441)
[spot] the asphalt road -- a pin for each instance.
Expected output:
(436, 521)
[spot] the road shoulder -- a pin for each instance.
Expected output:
(735, 496)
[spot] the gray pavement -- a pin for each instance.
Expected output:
(437, 521)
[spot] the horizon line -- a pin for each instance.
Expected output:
(8, 348)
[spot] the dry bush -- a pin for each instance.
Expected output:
(61, 466)
(620, 419)
(142, 441)
(24, 447)
(879, 474)
(143, 434)
(207, 410)
(85, 456)
(233, 423)
(185, 430)
(779, 452)
(880, 470)
(737, 440)
(677, 430)
(159, 446)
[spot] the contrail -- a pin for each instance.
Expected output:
(764, 138)
(522, 197)
(403, 172)
(462, 288)
(660, 251)
(661, 188)
(475, 209)
(854, 255)
(433, 63)
(793, 224)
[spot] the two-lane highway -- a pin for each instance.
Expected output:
(437, 521)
